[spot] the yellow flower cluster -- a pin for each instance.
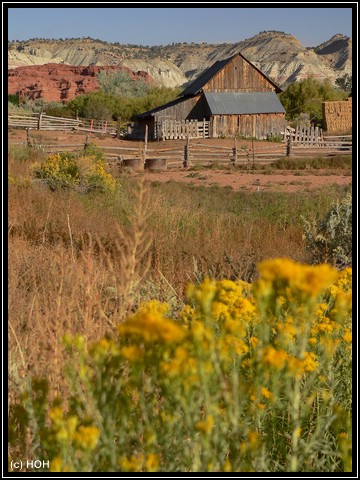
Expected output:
(230, 362)
(150, 325)
(140, 463)
(293, 280)
(66, 430)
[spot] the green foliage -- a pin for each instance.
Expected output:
(122, 84)
(345, 83)
(13, 99)
(307, 96)
(330, 239)
(104, 106)
(82, 172)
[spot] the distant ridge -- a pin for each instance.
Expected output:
(280, 55)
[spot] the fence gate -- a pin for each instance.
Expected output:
(173, 129)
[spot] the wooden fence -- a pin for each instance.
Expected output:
(302, 135)
(172, 129)
(200, 154)
(41, 121)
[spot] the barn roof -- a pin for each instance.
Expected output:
(162, 107)
(196, 86)
(231, 103)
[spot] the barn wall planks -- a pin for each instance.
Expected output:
(259, 126)
(239, 76)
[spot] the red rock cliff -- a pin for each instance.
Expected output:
(59, 83)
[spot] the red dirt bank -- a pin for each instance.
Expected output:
(59, 83)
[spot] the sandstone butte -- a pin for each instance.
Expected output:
(55, 82)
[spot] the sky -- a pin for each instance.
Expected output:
(163, 26)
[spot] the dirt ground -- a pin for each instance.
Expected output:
(266, 180)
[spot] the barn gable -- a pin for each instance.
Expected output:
(234, 74)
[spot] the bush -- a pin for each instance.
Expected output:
(82, 172)
(307, 96)
(330, 239)
(246, 377)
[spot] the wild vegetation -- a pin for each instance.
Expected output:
(306, 96)
(154, 327)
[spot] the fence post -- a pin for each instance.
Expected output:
(86, 144)
(234, 159)
(28, 141)
(145, 144)
(187, 150)
(118, 128)
(40, 118)
(288, 146)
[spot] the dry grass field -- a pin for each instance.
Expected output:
(79, 264)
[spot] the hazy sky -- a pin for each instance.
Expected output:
(162, 26)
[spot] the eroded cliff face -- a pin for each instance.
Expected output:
(279, 55)
(60, 83)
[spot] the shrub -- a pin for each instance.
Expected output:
(247, 377)
(82, 172)
(330, 239)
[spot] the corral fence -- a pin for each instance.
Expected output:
(311, 141)
(41, 121)
(201, 153)
(173, 130)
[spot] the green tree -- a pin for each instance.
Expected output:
(345, 83)
(121, 83)
(307, 96)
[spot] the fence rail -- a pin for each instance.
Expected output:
(173, 130)
(192, 154)
(41, 121)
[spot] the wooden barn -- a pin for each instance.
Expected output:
(232, 97)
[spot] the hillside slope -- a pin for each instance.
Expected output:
(279, 55)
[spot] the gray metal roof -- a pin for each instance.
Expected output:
(230, 103)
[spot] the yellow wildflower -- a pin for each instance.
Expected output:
(205, 426)
(290, 279)
(275, 358)
(87, 437)
(265, 392)
(347, 336)
(133, 353)
(132, 464)
(56, 465)
(149, 324)
(152, 463)
(310, 362)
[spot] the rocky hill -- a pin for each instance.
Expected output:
(58, 83)
(279, 55)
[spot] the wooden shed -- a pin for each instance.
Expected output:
(233, 95)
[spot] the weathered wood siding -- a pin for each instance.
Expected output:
(239, 76)
(259, 126)
(178, 112)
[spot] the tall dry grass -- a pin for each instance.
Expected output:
(79, 263)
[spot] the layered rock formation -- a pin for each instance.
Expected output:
(60, 83)
(279, 55)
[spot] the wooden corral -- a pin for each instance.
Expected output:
(337, 116)
(233, 95)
